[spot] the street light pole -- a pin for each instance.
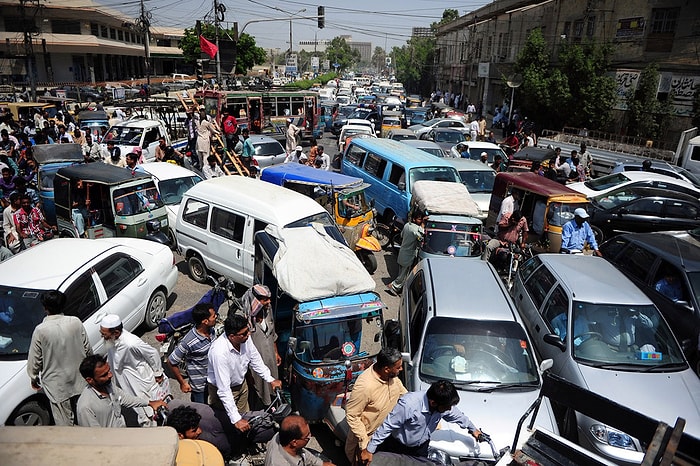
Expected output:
(514, 82)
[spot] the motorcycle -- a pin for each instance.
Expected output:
(171, 329)
(389, 233)
(507, 261)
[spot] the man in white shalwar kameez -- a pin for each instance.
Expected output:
(136, 365)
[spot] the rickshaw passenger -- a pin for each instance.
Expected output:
(80, 205)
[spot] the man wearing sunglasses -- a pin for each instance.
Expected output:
(230, 356)
(287, 447)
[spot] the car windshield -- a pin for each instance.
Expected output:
(474, 353)
(171, 191)
(616, 197)
(452, 137)
(451, 239)
(139, 199)
(360, 113)
(606, 182)
(436, 151)
(124, 136)
(352, 204)
(403, 136)
(434, 174)
(20, 312)
(478, 181)
(322, 217)
(268, 148)
(622, 336)
(559, 213)
(432, 122)
(475, 153)
(328, 340)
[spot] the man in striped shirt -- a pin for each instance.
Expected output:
(193, 349)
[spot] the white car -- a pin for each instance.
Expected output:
(268, 151)
(426, 126)
(125, 276)
(171, 181)
(353, 130)
(477, 147)
(619, 183)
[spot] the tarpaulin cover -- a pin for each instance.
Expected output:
(439, 197)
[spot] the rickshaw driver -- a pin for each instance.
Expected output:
(577, 232)
(512, 228)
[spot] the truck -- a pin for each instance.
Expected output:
(143, 133)
(608, 153)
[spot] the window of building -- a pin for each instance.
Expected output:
(479, 45)
(104, 32)
(65, 26)
(590, 26)
(163, 42)
(16, 24)
(567, 28)
(489, 46)
(663, 20)
(578, 29)
(95, 29)
(120, 35)
(113, 33)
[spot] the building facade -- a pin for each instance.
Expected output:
(477, 51)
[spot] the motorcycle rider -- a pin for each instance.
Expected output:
(577, 232)
(511, 229)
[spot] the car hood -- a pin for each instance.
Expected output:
(583, 189)
(497, 413)
(482, 200)
(661, 396)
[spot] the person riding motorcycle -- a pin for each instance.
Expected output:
(577, 232)
(512, 228)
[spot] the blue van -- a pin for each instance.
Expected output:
(384, 163)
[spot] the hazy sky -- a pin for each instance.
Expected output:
(380, 22)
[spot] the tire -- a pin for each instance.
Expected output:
(31, 413)
(368, 259)
(598, 234)
(382, 233)
(155, 310)
(197, 269)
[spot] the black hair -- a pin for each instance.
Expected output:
(53, 301)
(387, 357)
(516, 215)
(290, 430)
(234, 323)
(443, 393)
(200, 312)
(87, 367)
(183, 418)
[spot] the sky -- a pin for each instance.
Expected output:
(383, 23)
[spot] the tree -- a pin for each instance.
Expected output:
(379, 58)
(647, 115)
(447, 16)
(247, 53)
(338, 51)
(413, 63)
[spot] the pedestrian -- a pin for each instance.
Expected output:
(59, 344)
(136, 364)
(193, 350)
(212, 169)
(412, 235)
(256, 308)
(294, 156)
(230, 126)
(292, 135)
(586, 159)
(101, 402)
(287, 447)
(324, 158)
(205, 131)
(508, 205)
(372, 398)
(230, 357)
(197, 421)
(408, 427)
(248, 151)
(498, 164)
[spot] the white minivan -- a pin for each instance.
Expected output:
(218, 219)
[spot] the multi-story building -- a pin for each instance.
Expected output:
(477, 51)
(80, 41)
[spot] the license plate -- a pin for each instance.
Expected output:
(164, 223)
(164, 347)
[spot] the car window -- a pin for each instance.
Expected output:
(610, 249)
(528, 267)
(555, 313)
(82, 298)
(375, 165)
(539, 284)
(674, 187)
(116, 272)
(356, 155)
(227, 224)
(680, 209)
(650, 207)
(668, 282)
(417, 310)
(397, 174)
(637, 261)
(195, 212)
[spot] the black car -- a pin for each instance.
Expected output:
(359, 113)
(643, 210)
(666, 266)
(82, 94)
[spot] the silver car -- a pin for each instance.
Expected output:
(470, 334)
(606, 336)
(268, 151)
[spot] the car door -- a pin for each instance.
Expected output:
(227, 247)
(84, 299)
(530, 294)
(413, 323)
(641, 215)
(127, 287)
(555, 316)
(680, 215)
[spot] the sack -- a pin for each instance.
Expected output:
(262, 426)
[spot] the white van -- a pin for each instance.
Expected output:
(218, 219)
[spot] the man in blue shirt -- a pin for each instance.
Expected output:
(670, 286)
(248, 150)
(407, 428)
(577, 232)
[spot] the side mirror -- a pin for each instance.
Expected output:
(546, 365)
(291, 345)
(371, 203)
(554, 340)
(406, 357)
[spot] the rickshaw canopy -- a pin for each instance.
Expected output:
(438, 197)
(54, 153)
(533, 182)
(303, 174)
(101, 173)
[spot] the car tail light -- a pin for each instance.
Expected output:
(161, 337)
(254, 162)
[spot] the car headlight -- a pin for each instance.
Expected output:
(439, 457)
(612, 437)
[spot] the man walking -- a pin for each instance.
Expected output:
(205, 131)
(248, 150)
(412, 235)
(58, 346)
(136, 364)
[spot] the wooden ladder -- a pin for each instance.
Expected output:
(240, 168)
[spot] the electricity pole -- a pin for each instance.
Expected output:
(28, 45)
(219, 10)
(145, 24)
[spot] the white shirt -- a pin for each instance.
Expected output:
(507, 207)
(228, 367)
(135, 365)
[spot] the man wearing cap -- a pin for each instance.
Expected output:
(114, 156)
(577, 232)
(294, 156)
(484, 157)
(256, 308)
(136, 364)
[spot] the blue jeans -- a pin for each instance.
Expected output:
(199, 397)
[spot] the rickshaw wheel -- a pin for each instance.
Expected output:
(368, 260)
(197, 269)
(382, 233)
(155, 310)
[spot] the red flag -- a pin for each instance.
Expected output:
(208, 47)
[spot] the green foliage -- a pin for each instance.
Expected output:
(578, 92)
(338, 51)
(647, 115)
(248, 54)
(413, 63)
(378, 58)
(447, 15)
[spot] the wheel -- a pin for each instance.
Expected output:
(198, 271)
(598, 234)
(382, 233)
(155, 310)
(32, 413)
(368, 260)
(171, 238)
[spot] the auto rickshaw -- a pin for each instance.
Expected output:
(117, 202)
(546, 204)
(342, 196)
(94, 122)
(50, 158)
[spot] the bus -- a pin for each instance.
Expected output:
(267, 112)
